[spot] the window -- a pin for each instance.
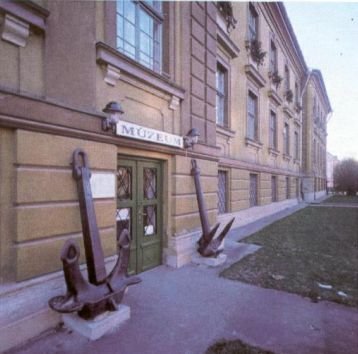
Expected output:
(139, 31)
(297, 93)
(287, 78)
(273, 57)
(286, 139)
(221, 96)
(297, 146)
(252, 117)
(273, 130)
(222, 192)
(253, 23)
(314, 151)
(297, 187)
(253, 190)
(274, 188)
(287, 187)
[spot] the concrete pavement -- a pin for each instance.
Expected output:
(183, 311)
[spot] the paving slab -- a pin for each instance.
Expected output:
(184, 311)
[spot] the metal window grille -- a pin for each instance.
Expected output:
(287, 188)
(253, 190)
(124, 183)
(222, 192)
(139, 28)
(274, 188)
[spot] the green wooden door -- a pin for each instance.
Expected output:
(139, 209)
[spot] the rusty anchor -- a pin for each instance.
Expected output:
(101, 292)
(208, 246)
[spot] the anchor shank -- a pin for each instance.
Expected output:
(195, 172)
(93, 249)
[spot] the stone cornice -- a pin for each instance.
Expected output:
(279, 18)
(272, 94)
(27, 11)
(108, 56)
(253, 74)
(225, 41)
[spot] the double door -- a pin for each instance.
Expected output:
(139, 209)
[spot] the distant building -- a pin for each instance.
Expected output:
(332, 161)
(233, 71)
(316, 107)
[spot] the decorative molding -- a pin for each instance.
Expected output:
(225, 132)
(174, 103)
(225, 41)
(28, 11)
(288, 111)
(272, 94)
(297, 121)
(107, 55)
(112, 75)
(15, 31)
(252, 143)
(253, 74)
(286, 157)
(274, 152)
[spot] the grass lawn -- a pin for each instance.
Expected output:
(341, 199)
(234, 347)
(310, 247)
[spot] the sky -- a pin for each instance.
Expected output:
(328, 36)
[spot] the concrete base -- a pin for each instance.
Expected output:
(102, 324)
(209, 261)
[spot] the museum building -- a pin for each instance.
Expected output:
(144, 87)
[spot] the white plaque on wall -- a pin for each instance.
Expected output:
(134, 131)
(103, 185)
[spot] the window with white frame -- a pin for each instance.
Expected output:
(221, 96)
(253, 23)
(252, 118)
(297, 146)
(273, 130)
(286, 139)
(139, 31)
(273, 57)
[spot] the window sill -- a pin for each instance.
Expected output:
(109, 56)
(287, 157)
(298, 121)
(273, 151)
(296, 161)
(227, 43)
(288, 111)
(225, 131)
(254, 75)
(272, 94)
(253, 143)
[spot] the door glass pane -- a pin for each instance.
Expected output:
(150, 220)
(150, 183)
(123, 219)
(124, 183)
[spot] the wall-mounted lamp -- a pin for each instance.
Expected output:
(191, 138)
(113, 112)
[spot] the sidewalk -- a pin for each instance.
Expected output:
(183, 311)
